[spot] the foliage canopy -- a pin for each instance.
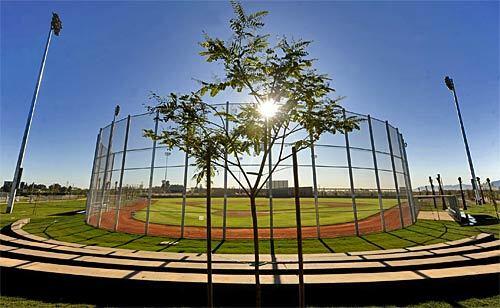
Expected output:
(281, 73)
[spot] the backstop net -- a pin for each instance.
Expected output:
(351, 184)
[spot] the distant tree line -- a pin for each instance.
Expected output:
(53, 189)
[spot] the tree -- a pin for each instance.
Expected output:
(277, 77)
(55, 188)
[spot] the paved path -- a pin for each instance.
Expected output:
(435, 215)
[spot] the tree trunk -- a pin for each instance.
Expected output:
(210, 301)
(253, 208)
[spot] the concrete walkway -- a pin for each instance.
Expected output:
(435, 215)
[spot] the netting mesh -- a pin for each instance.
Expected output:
(350, 184)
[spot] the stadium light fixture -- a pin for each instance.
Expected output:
(449, 83)
(56, 24)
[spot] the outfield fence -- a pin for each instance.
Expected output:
(37, 197)
(351, 184)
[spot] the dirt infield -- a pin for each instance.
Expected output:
(128, 224)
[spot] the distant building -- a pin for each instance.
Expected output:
(176, 188)
(281, 190)
(6, 186)
(278, 184)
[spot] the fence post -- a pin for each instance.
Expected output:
(92, 179)
(209, 232)
(433, 193)
(104, 179)
(412, 201)
(492, 196)
(111, 168)
(184, 191)
(394, 173)
(483, 201)
(117, 214)
(351, 180)
(315, 188)
(441, 191)
(405, 176)
(299, 228)
(375, 168)
(150, 191)
(224, 215)
(462, 193)
(270, 184)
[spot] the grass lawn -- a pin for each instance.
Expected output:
(51, 221)
(39, 209)
(490, 301)
(332, 211)
(472, 208)
(15, 302)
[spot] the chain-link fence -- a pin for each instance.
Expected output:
(350, 184)
(32, 197)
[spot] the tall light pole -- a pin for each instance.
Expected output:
(451, 86)
(55, 27)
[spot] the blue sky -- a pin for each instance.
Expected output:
(387, 58)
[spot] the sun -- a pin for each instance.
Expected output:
(268, 109)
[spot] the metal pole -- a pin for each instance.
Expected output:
(22, 151)
(351, 180)
(120, 189)
(412, 200)
(111, 168)
(209, 233)
(315, 189)
(433, 193)
(106, 165)
(270, 183)
(92, 178)
(441, 191)
(167, 154)
(224, 215)
(33, 187)
(405, 173)
(492, 196)
(116, 190)
(394, 173)
(480, 190)
(299, 228)
(95, 196)
(377, 178)
(450, 84)
(150, 192)
(462, 193)
(183, 208)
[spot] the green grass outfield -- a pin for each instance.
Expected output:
(332, 211)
